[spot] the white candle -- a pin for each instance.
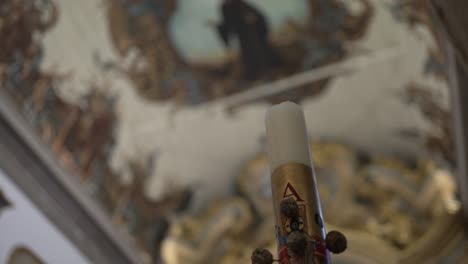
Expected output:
(292, 177)
(287, 135)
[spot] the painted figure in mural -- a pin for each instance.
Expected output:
(250, 26)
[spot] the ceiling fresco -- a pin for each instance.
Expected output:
(183, 50)
(157, 108)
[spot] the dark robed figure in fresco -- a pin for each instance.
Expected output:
(250, 27)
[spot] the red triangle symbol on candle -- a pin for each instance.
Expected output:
(290, 191)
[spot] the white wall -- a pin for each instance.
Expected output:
(24, 225)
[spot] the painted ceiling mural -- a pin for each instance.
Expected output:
(182, 49)
(157, 107)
